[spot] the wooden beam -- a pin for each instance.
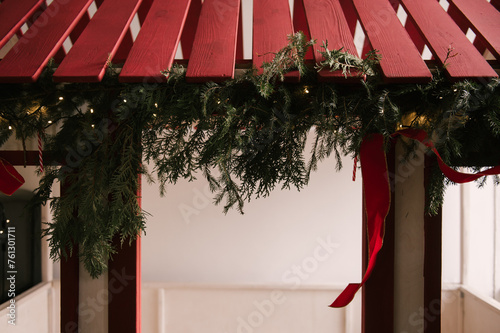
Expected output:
(13, 14)
(127, 42)
(214, 48)
(484, 20)
(300, 23)
(27, 59)
(442, 35)
(432, 259)
(70, 285)
(328, 23)
(272, 23)
(124, 284)
(401, 60)
(88, 59)
(189, 31)
(155, 47)
(378, 291)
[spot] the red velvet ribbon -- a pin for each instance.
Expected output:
(10, 179)
(378, 195)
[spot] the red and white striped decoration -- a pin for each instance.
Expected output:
(355, 168)
(40, 151)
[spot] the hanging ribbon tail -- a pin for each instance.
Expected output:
(10, 179)
(377, 203)
(452, 174)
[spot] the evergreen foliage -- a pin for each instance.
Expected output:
(246, 136)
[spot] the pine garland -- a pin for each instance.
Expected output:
(246, 136)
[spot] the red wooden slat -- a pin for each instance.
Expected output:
(350, 14)
(13, 13)
(272, 23)
(496, 4)
(155, 46)
(187, 37)
(401, 61)
(414, 34)
(239, 43)
(88, 58)
(484, 20)
(300, 23)
(328, 23)
(26, 60)
(77, 31)
(440, 32)
(214, 47)
(127, 42)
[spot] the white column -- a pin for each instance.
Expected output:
(409, 199)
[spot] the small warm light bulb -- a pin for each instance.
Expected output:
(440, 97)
(1, 232)
(50, 121)
(154, 114)
(61, 98)
(91, 110)
(156, 105)
(8, 221)
(10, 127)
(93, 125)
(306, 91)
(124, 101)
(218, 102)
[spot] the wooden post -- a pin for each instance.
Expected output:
(403, 293)
(70, 271)
(124, 286)
(432, 262)
(378, 292)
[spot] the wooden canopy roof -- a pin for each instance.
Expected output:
(211, 35)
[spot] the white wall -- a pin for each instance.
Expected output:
(279, 240)
(471, 237)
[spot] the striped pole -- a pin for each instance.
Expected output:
(355, 168)
(40, 151)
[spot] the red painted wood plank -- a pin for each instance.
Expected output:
(214, 47)
(239, 43)
(124, 284)
(272, 23)
(127, 42)
(484, 20)
(350, 14)
(496, 4)
(187, 38)
(414, 34)
(87, 60)
(155, 46)
(77, 31)
(300, 23)
(328, 23)
(13, 14)
(401, 61)
(27, 59)
(441, 33)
